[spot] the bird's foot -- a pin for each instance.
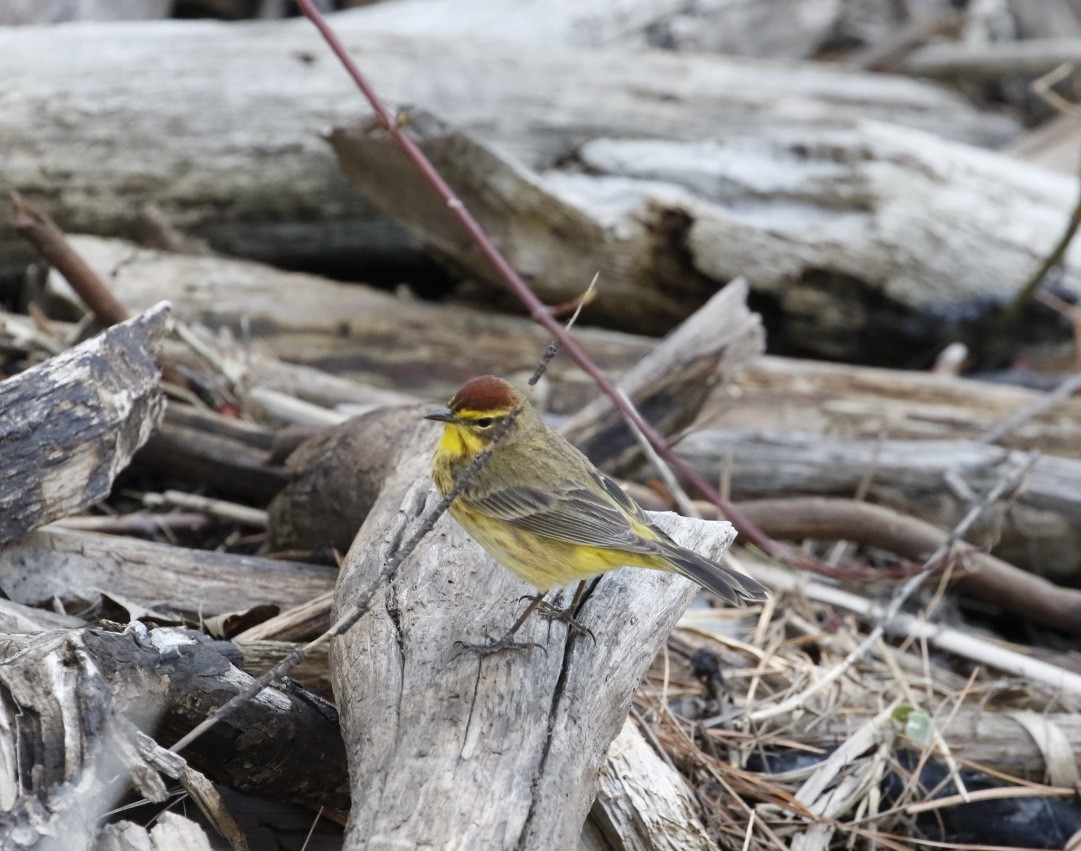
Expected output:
(498, 645)
(554, 613)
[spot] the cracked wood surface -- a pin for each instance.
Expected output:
(70, 425)
(450, 751)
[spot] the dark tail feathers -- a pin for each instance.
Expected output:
(731, 586)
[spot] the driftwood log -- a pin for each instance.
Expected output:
(71, 424)
(872, 242)
(85, 571)
(254, 98)
(776, 394)
(428, 726)
(414, 347)
(930, 479)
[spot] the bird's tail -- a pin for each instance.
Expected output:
(730, 585)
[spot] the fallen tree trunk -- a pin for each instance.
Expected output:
(70, 425)
(836, 245)
(81, 570)
(776, 394)
(254, 98)
(447, 749)
(413, 347)
(1040, 529)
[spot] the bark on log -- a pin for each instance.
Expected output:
(836, 243)
(99, 138)
(80, 569)
(171, 832)
(1040, 529)
(451, 751)
(415, 347)
(71, 424)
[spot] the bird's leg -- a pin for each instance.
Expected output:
(567, 615)
(507, 642)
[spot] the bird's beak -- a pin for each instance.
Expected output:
(446, 415)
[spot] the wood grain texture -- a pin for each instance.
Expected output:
(451, 751)
(80, 568)
(71, 424)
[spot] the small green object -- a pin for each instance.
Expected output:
(918, 727)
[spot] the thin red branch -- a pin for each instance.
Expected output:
(49, 240)
(539, 312)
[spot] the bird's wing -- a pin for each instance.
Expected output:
(577, 515)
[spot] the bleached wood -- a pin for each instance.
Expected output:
(776, 394)
(220, 125)
(454, 752)
(865, 242)
(643, 804)
(78, 568)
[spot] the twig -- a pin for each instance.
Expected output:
(52, 245)
(1065, 389)
(538, 311)
(1006, 482)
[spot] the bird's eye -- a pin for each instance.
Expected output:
(484, 422)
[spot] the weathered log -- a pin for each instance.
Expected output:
(760, 28)
(1040, 529)
(835, 244)
(507, 748)
(71, 424)
(71, 702)
(253, 127)
(80, 569)
(643, 804)
(777, 394)
(415, 347)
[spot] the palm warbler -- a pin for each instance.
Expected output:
(543, 510)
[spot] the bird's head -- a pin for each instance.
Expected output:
(476, 412)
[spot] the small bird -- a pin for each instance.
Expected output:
(542, 509)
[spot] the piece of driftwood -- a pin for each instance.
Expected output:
(782, 394)
(835, 242)
(254, 98)
(642, 803)
(930, 479)
(410, 346)
(447, 749)
(71, 424)
(171, 832)
(761, 28)
(83, 570)
(982, 576)
(670, 383)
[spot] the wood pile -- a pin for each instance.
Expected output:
(835, 273)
